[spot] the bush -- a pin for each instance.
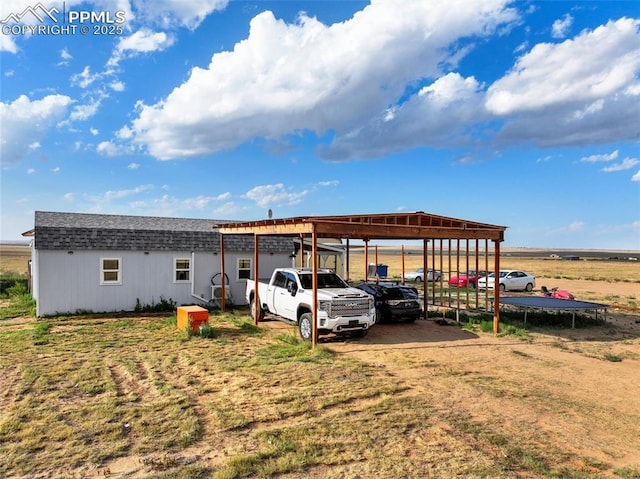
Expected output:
(10, 281)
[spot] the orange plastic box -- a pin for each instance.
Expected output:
(192, 317)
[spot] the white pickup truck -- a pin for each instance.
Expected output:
(289, 295)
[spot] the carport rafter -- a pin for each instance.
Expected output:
(385, 226)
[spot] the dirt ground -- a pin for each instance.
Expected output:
(593, 405)
(580, 388)
(557, 383)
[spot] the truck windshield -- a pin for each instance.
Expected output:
(325, 280)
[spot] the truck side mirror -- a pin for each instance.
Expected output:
(292, 288)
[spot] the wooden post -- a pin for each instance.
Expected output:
(424, 278)
(496, 287)
(346, 266)
(376, 251)
(402, 254)
(224, 285)
(256, 278)
(366, 260)
(314, 254)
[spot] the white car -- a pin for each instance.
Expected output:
(510, 280)
(418, 275)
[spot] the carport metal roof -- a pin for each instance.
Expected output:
(400, 226)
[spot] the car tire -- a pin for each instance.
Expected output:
(253, 311)
(471, 285)
(503, 288)
(418, 279)
(529, 287)
(305, 326)
(379, 316)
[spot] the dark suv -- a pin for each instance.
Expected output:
(394, 301)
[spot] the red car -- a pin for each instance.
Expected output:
(468, 279)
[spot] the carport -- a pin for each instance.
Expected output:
(367, 227)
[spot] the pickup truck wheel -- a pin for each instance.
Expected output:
(252, 305)
(305, 326)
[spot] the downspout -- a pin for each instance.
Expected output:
(193, 282)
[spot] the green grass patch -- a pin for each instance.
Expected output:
(20, 303)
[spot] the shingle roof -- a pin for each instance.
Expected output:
(85, 231)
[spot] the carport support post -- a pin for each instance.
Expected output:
(314, 316)
(366, 260)
(424, 278)
(496, 287)
(346, 266)
(256, 300)
(402, 254)
(223, 306)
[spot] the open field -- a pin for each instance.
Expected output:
(590, 279)
(136, 398)
(593, 278)
(133, 397)
(14, 258)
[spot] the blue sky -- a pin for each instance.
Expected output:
(522, 114)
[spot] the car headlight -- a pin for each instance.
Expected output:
(325, 306)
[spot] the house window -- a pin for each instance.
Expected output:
(182, 270)
(110, 271)
(244, 268)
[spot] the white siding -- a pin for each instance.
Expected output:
(68, 283)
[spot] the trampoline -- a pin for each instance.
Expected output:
(544, 302)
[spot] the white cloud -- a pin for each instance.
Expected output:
(329, 183)
(133, 166)
(85, 78)
(168, 205)
(174, 13)
(142, 41)
(229, 210)
(117, 85)
(576, 226)
(84, 112)
(94, 131)
(119, 194)
(34, 146)
(223, 196)
(636, 177)
(55, 170)
(438, 115)
(626, 164)
(7, 44)
(108, 148)
(65, 55)
(274, 195)
(25, 122)
(268, 86)
(595, 64)
(560, 27)
(31, 171)
(598, 158)
(124, 133)
(69, 196)
(580, 91)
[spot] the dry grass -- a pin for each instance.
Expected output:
(14, 258)
(134, 397)
(584, 269)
